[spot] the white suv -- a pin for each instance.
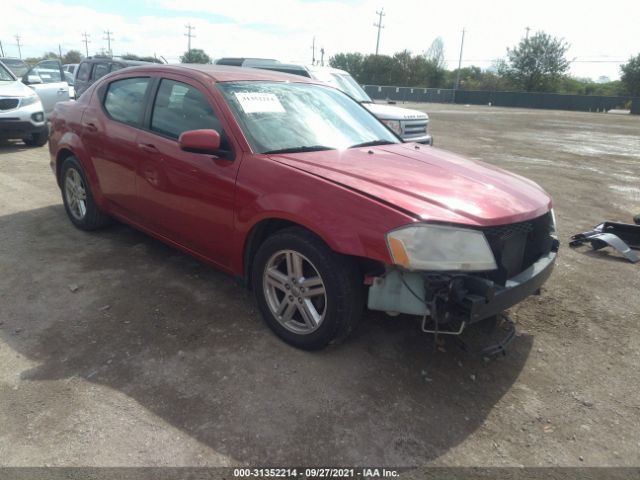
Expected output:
(21, 111)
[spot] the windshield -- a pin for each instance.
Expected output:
(18, 67)
(342, 81)
(301, 117)
(5, 75)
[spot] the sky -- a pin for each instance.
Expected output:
(601, 35)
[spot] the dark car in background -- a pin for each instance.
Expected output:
(93, 68)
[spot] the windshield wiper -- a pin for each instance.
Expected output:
(372, 143)
(309, 148)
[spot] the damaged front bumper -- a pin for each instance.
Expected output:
(452, 298)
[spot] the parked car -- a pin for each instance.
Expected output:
(295, 187)
(49, 82)
(70, 81)
(91, 69)
(21, 111)
(70, 67)
(411, 125)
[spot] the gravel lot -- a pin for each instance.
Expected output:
(157, 359)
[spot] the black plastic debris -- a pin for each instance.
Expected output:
(620, 236)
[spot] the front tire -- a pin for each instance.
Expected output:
(78, 200)
(36, 139)
(308, 294)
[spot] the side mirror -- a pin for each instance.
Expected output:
(33, 79)
(200, 141)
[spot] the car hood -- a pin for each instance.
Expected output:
(427, 183)
(15, 89)
(389, 112)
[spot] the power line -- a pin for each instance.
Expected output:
(189, 35)
(85, 39)
(108, 38)
(19, 45)
(380, 27)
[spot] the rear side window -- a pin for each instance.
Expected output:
(116, 66)
(99, 71)
(179, 107)
(83, 72)
(124, 100)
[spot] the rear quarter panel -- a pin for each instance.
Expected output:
(66, 135)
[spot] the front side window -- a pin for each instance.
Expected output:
(124, 100)
(100, 70)
(116, 66)
(5, 75)
(179, 107)
(83, 72)
(298, 116)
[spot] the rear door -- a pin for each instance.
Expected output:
(110, 125)
(53, 87)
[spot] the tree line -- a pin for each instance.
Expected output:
(537, 64)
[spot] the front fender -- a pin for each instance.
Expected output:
(347, 221)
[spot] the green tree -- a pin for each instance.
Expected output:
(631, 76)
(537, 63)
(196, 55)
(351, 62)
(72, 56)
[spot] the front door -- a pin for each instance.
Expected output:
(187, 197)
(52, 86)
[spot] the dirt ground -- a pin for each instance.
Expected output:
(157, 359)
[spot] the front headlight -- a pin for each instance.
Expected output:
(393, 125)
(29, 100)
(438, 247)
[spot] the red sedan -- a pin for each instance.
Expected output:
(299, 190)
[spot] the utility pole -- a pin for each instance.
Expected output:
(1, 49)
(85, 39)
(527, 35)
(322, 57)
(60, 52)
(108, 38)
(189, 35)
(459, 63)
(313, 51)
(19, 45)
(380, 26)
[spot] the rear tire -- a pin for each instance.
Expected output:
(308, 294)
(37, 139)
(78, 200)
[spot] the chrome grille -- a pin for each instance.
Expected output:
(414, 128)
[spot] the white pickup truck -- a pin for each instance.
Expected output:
(410, 125)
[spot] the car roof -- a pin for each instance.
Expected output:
(116, 60)
(223, 73)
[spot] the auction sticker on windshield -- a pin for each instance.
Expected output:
(259, 102)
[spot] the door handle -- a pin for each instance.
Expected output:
(148, 147)
(91, 127)
(62, 89)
